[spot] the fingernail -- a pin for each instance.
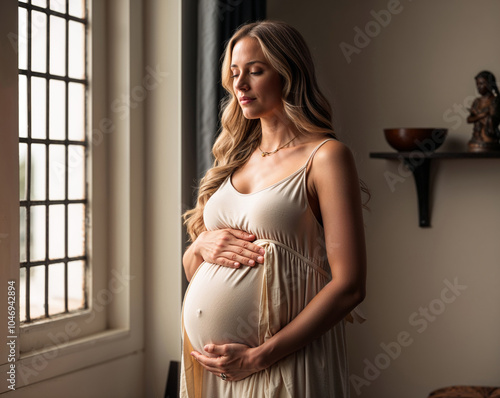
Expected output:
(260, 259)
(237, 265)
(262, 251)
(251, 262)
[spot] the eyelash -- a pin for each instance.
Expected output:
(252, 73)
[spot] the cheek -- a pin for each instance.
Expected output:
(276, 90)
(270, 92)
(275, 99)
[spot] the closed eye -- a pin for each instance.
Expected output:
(252, 73)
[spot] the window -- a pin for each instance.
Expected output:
(53, 154)
(112, 325)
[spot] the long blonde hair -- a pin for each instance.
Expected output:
(304, 106)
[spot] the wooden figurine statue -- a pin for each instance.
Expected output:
(485, 114)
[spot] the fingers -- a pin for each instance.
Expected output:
(229, 261)
(241, 255)
(242, 234)
(225, 358)
(211, 364)
(232, 259)
(249, 238)
(230, 248)
(237, 249)
(216, 349)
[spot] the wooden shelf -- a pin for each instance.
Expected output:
(420, 165)
(435, 155)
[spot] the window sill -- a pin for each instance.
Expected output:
(67, 357)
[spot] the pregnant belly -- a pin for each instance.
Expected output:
(222, 305)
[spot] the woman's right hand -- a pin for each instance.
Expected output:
(229, 247)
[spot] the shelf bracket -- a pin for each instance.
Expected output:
(421, 175)
(421, 172)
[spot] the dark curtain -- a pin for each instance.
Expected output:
(217, 21)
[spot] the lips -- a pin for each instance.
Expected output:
(246, 100)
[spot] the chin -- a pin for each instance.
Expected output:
(250, 115)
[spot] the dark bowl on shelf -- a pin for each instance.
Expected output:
(415, 139)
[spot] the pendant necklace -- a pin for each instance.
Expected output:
(264, 153)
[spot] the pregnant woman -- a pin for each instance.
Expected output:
(277, 260)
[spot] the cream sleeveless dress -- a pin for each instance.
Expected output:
(249, 305)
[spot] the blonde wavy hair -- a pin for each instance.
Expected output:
(304, 105)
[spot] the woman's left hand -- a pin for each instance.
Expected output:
(236, 361)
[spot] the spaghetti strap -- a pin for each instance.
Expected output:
(316, 150)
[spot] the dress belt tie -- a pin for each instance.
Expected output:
(354, 315)
(312, 264)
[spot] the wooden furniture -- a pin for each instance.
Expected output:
(466, 392)
(420, 164)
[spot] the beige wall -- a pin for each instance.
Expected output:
(163, 204)
(120, 378)
(417, 71)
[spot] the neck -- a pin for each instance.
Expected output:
(276, 131)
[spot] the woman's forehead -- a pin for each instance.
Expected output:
(247, 50)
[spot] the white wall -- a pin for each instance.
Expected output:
(163, 193)
(417, 71)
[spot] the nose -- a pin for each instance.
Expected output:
(241, 82)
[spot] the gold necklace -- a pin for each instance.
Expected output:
(264, 153)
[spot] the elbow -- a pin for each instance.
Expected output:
(356, 294)
(353, 291)
(359, 287)
(187, 272)
(359, 295)
(186, 269)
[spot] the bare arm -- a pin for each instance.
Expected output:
(336, 183)
(191, 260)
(227, 247)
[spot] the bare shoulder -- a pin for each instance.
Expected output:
(332, 154)
(333, 167)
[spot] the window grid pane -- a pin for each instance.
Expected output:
(53, 149)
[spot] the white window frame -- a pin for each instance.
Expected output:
(68, 343)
